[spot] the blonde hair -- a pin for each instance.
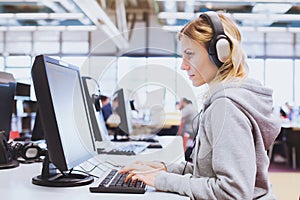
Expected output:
(201, 31)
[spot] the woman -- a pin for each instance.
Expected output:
(236, 125)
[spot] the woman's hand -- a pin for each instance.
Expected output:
(143, 171)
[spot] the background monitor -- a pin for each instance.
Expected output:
(7, 93)
(121, 105)
(37, 131)
(23, 90)
(65, 120)
(97, 120)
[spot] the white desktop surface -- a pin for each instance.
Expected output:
(15, 184)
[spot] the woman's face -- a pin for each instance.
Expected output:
(196, 62)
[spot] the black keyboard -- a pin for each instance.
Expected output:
(115, 183)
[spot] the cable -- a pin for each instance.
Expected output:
(82, 171)
(91, 78)
(198, 116)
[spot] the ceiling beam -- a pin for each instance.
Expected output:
(121, 18)
(97, 15)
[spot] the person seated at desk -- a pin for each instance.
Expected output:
(106, 107)
(236, 127)
(187, 124)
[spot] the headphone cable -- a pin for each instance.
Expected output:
(196, 133)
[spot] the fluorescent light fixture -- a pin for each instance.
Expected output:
(21, 28)
(31, 15)
(6, 15)
(81, 28)
(271, 7)
(176, 15)
(51, 28)
(172, 28)
(66, 16)
(272, 29)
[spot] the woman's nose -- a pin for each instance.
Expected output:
(185, 65)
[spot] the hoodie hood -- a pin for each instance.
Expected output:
(255, 100)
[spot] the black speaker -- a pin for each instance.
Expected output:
(219, 46)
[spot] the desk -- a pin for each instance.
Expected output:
(170, 119)
(15, 184)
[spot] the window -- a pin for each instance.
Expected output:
(18, 61)
(279, 76)
(256, 69)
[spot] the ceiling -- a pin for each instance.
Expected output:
(266, 15)
(117, 17)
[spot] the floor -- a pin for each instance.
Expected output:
(286, 185)
(285, 181)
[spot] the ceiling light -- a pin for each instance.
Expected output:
(31, 15)
(172, 28)
(51, 28)
(66, 15)
(81, 28)
(21, 28)
(272, 29)
(271, 7)
(176, 15)
(6, 15)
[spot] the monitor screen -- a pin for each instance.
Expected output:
(7, 92)
(121, 105)
(63, 112)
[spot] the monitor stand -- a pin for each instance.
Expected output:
(50, 177)
(11, 164)
(124, 137)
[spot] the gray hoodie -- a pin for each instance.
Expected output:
(229, 159)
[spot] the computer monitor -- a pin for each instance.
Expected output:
(121, 105)
(97, 120)
(7, 92)
(65, 121)
(23, 89)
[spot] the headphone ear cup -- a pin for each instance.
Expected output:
(223, 49)
(31, 151)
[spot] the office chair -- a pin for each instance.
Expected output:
(280, 141)
(293, 143)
